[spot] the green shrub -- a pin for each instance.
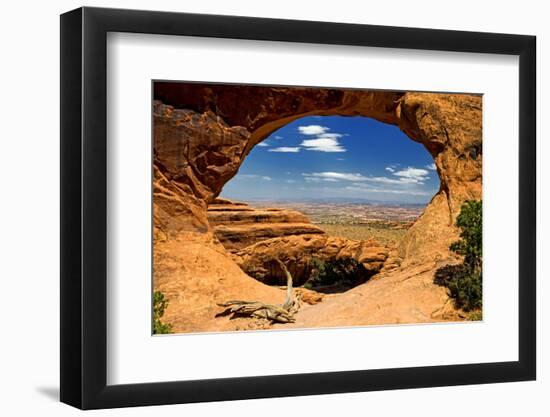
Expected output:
(465, 281)
(345, 271)
(159, 305)
(464, 285)
(475, 316)
(470, 243)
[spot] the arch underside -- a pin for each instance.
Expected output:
(199, 147)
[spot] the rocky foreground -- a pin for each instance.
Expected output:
(197, 275)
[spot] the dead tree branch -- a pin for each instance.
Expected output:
(277, 313)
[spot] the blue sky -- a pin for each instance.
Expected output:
(336, 157)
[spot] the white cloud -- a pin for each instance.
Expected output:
(312, 129)
(323, 144)
(324, 140)
(335, 176)
(263, 144)
(340, 159)
(366, 188)
(291, 181)
(254, 176)
(285, 149)
(431, 167)
(412, 175)
(331, 135)
(346, 176)
(312, 178)
(390, 169)
(386, 180)
(408, 176)
(277, 137)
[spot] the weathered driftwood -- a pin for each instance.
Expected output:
(279, 313)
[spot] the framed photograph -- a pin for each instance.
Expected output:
(257, 208)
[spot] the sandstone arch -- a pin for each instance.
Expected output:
(204, 132)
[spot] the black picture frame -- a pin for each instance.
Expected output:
(84, 207)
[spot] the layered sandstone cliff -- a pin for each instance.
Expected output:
(238, 225)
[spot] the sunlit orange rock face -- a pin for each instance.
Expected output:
(238, 225)
(203, 133)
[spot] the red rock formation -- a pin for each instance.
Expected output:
(201, 146)
(195, 274)
(239, 225)
(400, 296)
(297, 252)
(202, 133)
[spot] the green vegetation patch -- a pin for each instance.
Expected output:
(465, 281)
(159, 305)
(475, 315)
(342, 271)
